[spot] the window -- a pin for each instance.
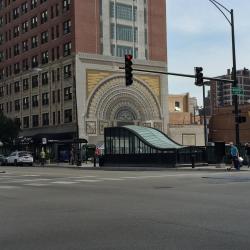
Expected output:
(125, 33)
(67, 49)
(57, 9)
(34, 81)
(52, 12)
(44, 37)
(1, 56)
(67, 115)
(24, 7)
(123, 11)
(66, 5)
(58, 117)
(15, 13)
(57, 31)
(58, 96)
(44, 16)
(123, 50)
(66, 27)
(25, 84)
(53, 96)
(25, 26)
(25, 102)
(1, 91)
(35, 120)
(17, 68)
(1, 107)
(34, 41)
(34, 61)
(67, 93)
(16, 31)
(54, 118)
(33, 22)
(67, 71)
(25, 64)
(1, 39)
(35, 101)
(25, 45)
(33, 4)
(45, 98)
(26, 120)
(45, 78)
(16, 49)
(45, 57)
(45, 119)
(17, 86)
(52, 33)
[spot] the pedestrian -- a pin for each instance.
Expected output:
(247, 154)
(42, 156)
(72, 156)
(234, 153)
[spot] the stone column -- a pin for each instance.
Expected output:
(141, 29)
(106, 27)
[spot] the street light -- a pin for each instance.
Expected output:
(223, 9)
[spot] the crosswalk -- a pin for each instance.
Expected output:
(14, 180)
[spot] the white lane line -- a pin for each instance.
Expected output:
(36, 184)
(112, 179)
(30, 175)
(27, 180)
(7, 187)
(80, 177)
(64, 182)
(88, 180)
(129, 177)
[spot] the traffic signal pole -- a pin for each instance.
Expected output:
(179, 74)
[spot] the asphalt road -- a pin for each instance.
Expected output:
(68, 209)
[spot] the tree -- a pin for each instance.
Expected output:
(9, 129)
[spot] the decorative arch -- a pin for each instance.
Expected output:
(111, 98)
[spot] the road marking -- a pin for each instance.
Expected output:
(112, 179)
(30, 175)
(89, 180)
(79, 177)
(7, 187)
(36, 184)
(64, 182)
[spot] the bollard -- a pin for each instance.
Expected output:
(94, 161)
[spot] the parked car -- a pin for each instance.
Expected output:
(19, 158)
(2, 160)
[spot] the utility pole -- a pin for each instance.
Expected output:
(222, 9)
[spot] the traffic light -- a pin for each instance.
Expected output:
(198, 76)
(241, 119)
(128, 70)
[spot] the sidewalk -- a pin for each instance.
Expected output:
(134, 167)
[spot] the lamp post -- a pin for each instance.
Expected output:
(223, 9)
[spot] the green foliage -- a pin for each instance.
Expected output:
(9, 129)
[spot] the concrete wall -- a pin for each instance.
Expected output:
(187, 134)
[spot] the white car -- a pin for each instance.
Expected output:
(20, 158)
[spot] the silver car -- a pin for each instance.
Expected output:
(19, 158)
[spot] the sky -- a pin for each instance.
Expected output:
(198, 35)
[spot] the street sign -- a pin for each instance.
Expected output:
(237, 91)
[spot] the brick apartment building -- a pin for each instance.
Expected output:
(222, 124)
(59, 64)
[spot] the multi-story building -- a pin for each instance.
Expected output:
(184, 120)
(221, 92)
(59, 65)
